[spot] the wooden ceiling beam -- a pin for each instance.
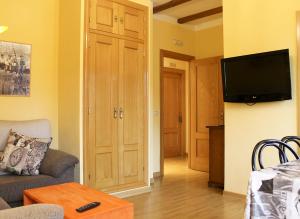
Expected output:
(200, 15)
(168, 5)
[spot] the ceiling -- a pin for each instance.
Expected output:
(189, 8)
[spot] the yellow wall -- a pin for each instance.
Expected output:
(34, 22)
(55, 30)
(209, 42)
(69, 77)
(252, 26)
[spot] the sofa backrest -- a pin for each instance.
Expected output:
(39, 128)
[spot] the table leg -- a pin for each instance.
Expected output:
(27, 200)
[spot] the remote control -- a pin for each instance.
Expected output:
(88, 206)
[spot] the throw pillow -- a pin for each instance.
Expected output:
(1, 158)
(23, 154)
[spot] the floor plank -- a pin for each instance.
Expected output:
(183, 193)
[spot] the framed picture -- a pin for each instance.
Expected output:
(15, 62)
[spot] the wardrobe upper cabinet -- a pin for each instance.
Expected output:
(131, 22)
(111, 17)
(104, 16)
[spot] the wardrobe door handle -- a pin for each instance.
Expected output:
(115, 112)
(116, 18)
(121, 113)
(121, 20)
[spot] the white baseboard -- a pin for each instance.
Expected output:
(156, 174)
(132, 192)
(151, 180)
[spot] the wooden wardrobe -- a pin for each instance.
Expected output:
(116, 95)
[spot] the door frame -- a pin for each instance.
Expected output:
(178, 56)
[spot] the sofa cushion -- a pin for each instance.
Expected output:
(23, 155)
(57, 162)
(12, 186)
(36, 128)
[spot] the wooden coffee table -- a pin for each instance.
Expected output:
(73, 195)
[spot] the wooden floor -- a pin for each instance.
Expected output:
(183, 193)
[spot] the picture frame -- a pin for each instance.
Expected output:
(15, 68)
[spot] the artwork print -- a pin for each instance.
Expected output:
(15, 61)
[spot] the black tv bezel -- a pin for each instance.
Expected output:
(255, 98)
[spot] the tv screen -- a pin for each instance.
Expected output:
(258, 77)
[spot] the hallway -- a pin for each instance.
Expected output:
(183, 193)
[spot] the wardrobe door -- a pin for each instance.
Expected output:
(104, 16)
(102, 153)
(131, 22)
(132, 112)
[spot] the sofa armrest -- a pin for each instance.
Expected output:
(36, 211)
(3, 204)
(57, 162)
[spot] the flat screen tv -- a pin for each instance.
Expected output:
(258, 77)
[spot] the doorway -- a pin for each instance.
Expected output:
(191, 102)
(173, 113)
(174, 78)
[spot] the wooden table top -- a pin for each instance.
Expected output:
(74, 195)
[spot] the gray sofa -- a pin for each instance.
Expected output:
(57, 166)
(38, 211)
